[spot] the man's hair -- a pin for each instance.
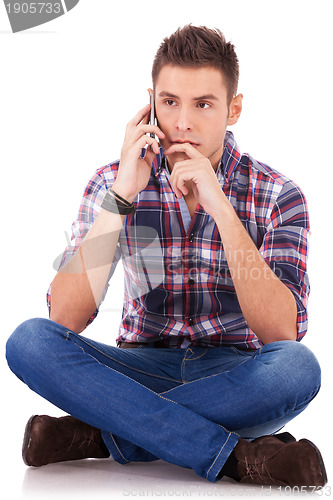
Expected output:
(198, 46)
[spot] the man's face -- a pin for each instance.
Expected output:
(191, 106)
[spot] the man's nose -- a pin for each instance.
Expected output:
(184, 120)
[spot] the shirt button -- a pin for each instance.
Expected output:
(190, 322)
(191, 237)
(191, 281)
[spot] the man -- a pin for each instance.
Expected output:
(215, 368)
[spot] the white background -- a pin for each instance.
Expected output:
(68, 89)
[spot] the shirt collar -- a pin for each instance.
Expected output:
(228, 163)
(159, 162)
(231, 155)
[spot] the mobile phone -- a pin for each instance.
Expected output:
(152, 117)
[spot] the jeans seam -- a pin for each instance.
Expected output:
(189, 359)
(135, 381)
(202, 378)
(147, 388)
(121, 363)
(217, 456)
(114, 442)
(200, 356)
(182, 370)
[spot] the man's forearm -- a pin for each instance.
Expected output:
(267, 304)
(78, 287)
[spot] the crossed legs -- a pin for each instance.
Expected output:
(188, 407)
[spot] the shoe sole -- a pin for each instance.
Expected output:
(320, 459)
(26, 440)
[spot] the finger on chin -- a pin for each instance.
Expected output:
(185, 148)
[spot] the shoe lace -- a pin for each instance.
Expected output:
(257, 469)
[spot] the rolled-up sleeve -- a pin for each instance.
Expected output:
(89, 209)
(285, 247)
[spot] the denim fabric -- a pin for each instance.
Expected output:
(185, 406)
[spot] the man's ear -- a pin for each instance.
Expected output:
(235, 109)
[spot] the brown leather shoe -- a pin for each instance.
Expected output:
(269, 461)
(49, 439)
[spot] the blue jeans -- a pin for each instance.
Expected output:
(185, 406)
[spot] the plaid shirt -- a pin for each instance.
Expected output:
(186, 290)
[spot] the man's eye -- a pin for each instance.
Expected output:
(203, 105)
(169, 102)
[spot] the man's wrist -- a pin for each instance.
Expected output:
(123, 192)
(116, 204)
(223, 210)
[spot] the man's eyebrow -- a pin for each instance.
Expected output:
(204, 97)
(164, 93)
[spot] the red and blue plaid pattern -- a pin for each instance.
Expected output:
(195, 297)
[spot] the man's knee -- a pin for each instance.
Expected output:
(299, 366)
(25, 344)
(304, 362)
